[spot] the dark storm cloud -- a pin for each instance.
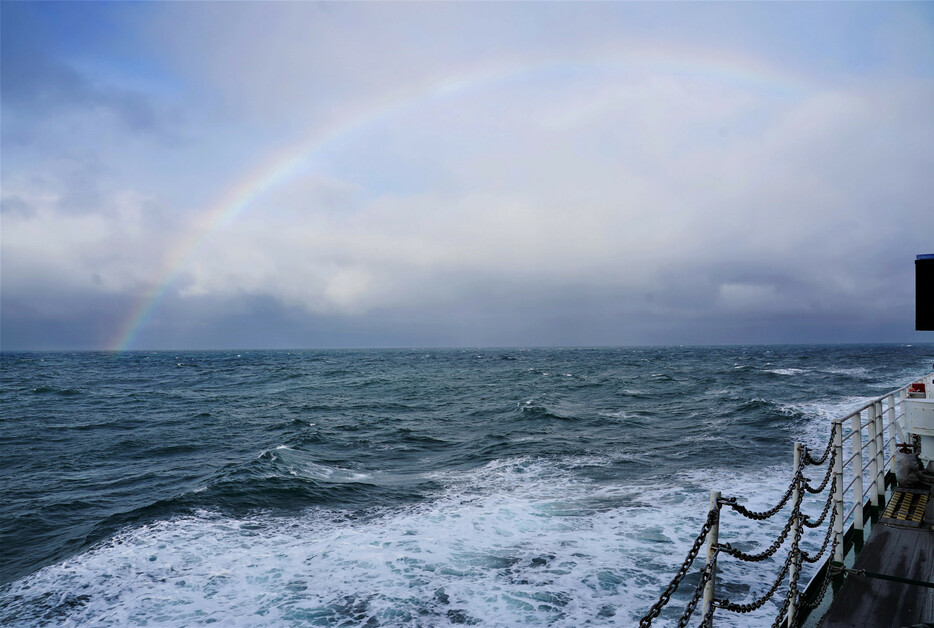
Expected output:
(43, 320)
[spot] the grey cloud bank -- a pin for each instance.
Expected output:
(473, 174)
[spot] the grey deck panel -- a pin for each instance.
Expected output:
(865, 602)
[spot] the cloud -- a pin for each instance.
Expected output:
(815, 183)
(571, 186)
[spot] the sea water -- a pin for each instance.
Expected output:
(487, 487)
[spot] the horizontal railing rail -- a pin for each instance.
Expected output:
(862, 434)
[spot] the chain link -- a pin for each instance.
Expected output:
(833, 518)
(820, 489)
(706, 575)
(756, 558)
(712, 518)
(781, 614)
(752, 606)
(819, 521)
(827, 579)
(808, 460)
(707, 621)
(795, 555)
(762, 516)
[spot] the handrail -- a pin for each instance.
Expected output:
(796, 604)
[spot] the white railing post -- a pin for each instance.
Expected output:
(893, 428)
(857, 442)
(873, 455)
(795, 535)
(880, 451)
(713, 537)
(838, 490)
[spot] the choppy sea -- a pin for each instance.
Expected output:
(487, 487)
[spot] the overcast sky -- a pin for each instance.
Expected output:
(240, 175)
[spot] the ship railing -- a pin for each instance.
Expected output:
(869, 435)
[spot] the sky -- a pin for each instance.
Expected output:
(193, 175)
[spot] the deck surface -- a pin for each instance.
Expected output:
(894, 550)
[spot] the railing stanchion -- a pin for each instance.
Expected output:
(893, 428)
(880, 451)
(873, 456)
(838, 491)
(713, 537)
(857, 442)
(795, 539)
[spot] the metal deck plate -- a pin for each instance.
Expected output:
(906, 508)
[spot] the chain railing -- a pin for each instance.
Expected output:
(883, 412)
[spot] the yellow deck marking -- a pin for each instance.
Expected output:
(905, 507)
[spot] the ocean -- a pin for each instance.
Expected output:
(422, 487)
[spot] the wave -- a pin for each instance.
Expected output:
(525, 542)
(428, 496)
(529, 410)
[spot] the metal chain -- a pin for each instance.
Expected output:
(706, 575)
(780, 540)
(712, 517)
(795, 554)
(793, 579)
(816, 524)
(748, 608)
(762, 516)
(827, 577)
(755, 558)
(808, 460)
(833, 518)
(781, 613)
(820, 489)
(707, 621)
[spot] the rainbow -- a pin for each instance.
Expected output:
(286, 163)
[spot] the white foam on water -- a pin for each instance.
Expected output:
(299, 463)
(819, 415)
(618, 414)
(787, 371)
(515, 543)
(859, 371)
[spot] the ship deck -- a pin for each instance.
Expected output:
(897, 549)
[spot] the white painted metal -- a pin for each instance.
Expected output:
(893, 426)
(880, 452)
(919, 422)
(838, 490)
(713, 537)
(857, 438)
(873, 456)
